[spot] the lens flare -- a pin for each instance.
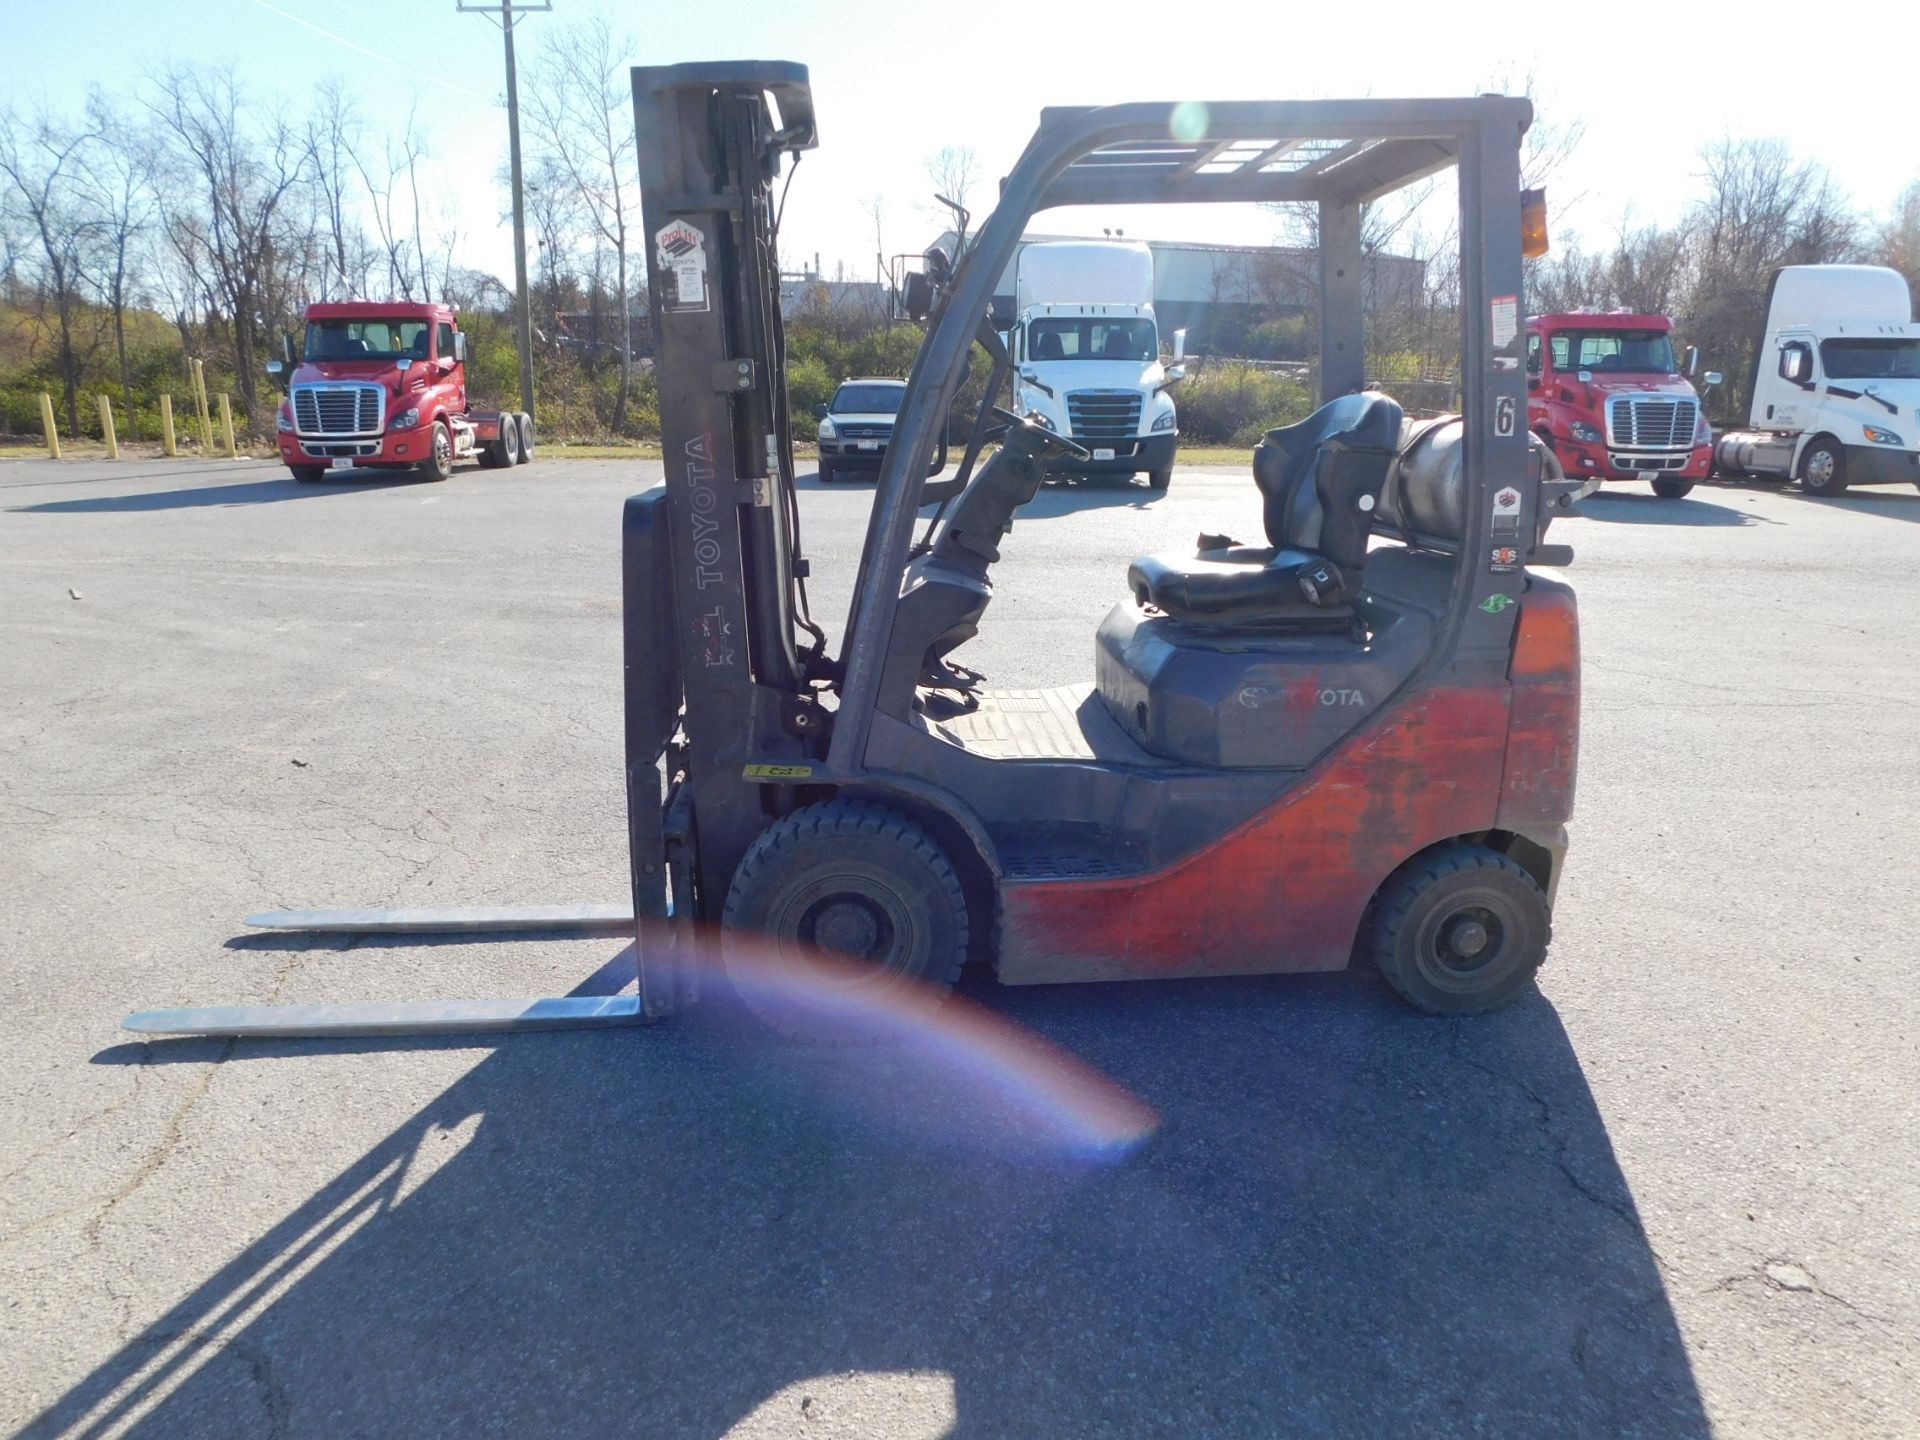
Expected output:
(1189, 121)
(907, 1058)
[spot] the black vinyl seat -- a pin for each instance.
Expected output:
(1321, 483)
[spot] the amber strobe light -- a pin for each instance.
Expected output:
(1533, 223)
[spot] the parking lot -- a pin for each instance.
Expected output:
(1675, 1193)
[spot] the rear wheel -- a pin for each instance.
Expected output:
(523, 422)
(1460, 929)
(504, 449)
(1823, 467)
(858, 912)
(1671, 489)
(308, 474)
(439, 462)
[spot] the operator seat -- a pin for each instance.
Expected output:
(1321, 481)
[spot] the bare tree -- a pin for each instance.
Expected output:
(44, 162)
(1898, 243)
(245, 164)
(580, 107)
(333, 139)
(954, 171)
(381, 181)
(119, 193)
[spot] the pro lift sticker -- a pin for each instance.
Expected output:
(1506, 510)
(680, 254)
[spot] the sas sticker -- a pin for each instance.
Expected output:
(777, 772)
(1506, 559)
(680, 254)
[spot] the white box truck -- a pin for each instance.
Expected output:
(1087, 355)
(1836, 383)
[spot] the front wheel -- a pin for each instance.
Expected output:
(1460, 929)
(439, 462)
(1160, 479)
(856, 911)
(1823, 468)
(826, 472)
(1671, 489)
(309, 474)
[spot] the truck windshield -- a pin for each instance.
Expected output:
(1614, 351)
(1871, 359)
(868, 399)
(368, 339)
(1060, 338)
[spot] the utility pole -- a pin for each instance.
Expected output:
(504, 15)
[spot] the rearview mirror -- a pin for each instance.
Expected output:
(1175, 374)
(820, 412)
(274, 367)
(1693, 358)
(286, 349)
(1179, 345)
(460, 345)
(1711, 378)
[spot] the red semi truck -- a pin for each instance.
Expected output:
(383, 385)
(1607, 394)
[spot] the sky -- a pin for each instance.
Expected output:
(894, 83)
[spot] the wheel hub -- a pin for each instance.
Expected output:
(848, 924)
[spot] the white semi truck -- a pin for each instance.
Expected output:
(1836, 384)
(1087, 355)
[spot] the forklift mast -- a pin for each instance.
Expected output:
(712, 566)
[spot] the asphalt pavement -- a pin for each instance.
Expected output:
(1675, 1193)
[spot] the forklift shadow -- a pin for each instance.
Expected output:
(245, 492)
(1895, 506)
(1353, 1221)
(1631, 509)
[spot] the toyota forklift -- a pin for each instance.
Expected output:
(1353, 735)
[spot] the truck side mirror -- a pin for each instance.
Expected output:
(274, 367)
(1179, 345)
(286, 349)
(820, 412)
(1175, 374)
(1711, 378)
(1693, 358)
(460, 346)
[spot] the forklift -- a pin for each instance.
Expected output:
(1353, 737)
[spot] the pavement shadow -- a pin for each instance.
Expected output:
(1353, 1221)
(1623, 508)
(246, 492)
(1895, 506)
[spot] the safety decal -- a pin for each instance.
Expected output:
(1505, 315)
(680, 254)
(1503, 413)
(1506, 500)
(1494, 604)
(715, 632)
(1506, 559)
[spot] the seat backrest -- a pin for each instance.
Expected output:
(1046, 346)
(1321, 478)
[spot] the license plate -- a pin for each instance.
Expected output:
(866, 444)
(1649, 474)
(1103, 454)
(342, 462)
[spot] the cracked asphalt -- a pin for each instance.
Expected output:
(1675, 1193)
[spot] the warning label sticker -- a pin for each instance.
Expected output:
(680, 255)
(1506, 501)
(1505, 318)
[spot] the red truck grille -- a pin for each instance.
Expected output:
(1652, 422)
(349, 408)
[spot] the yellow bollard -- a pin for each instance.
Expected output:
(106, 428)
(166, 425)
(200, 403)
(226, 426)
(46, 423)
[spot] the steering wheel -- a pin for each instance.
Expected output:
(1049, 440)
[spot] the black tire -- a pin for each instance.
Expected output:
(826, 472)
(862, 882)
(309, 474)
(439, 462)
(1160, 479)
(503, 451)
(523, 422)
(1459, 930)
(1671, 489)
(1823, 467)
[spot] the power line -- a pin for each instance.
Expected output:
(359, 49)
